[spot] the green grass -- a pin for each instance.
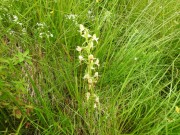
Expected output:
(42, 90)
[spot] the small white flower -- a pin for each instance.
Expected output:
(97, 62)
(19, 23)
(81, 58)
(89, 12)
(96, 75)
(24, 31)
(91, 57)
(82, 28)
(97, 99)
(135, 58)
(51, 35)
(15, 18)
(11, 32)
(86, 34)
(41, 24)
(79, 49)
(95, 106)
(71, 17)
(88, 96)
(90, 81)
(86, 76)
(41, 35)
(94, 38)
(90, 86)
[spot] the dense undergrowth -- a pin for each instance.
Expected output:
(44, 88)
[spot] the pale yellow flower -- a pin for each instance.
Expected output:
(97, 99)
(91, 57)
(86, 76)
(96, 75)
(88, 96)
(79, 49)
(90, 81)
(94, 38)
(81, 58)
(82, 28)
(86, 34)
(97, 62)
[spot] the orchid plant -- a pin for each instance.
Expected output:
(85, 56)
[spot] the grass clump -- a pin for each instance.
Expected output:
(54, 80)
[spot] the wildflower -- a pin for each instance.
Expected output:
(90, 15)
(91, 57)
(96, 75)
(97, 62)
(79, 49)
(82, 28)
(88, 96)
(90, 81)
(81, 58)
(97, 99)
(41, 24)
(11, 32)
(19, 23)
(86, 76)
(95, 106)
(94, 38)
(51, 35)
(86, 34)
(15, 18)
(40, 35)
(24, 30)
(89, 12)
(71, 16)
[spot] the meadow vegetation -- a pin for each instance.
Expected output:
(105, 67)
